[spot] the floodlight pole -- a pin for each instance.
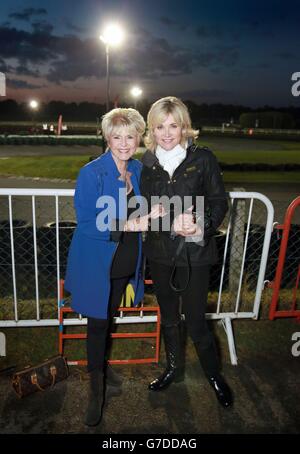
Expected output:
(107, 78)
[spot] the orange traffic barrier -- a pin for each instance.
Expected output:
(153, 334)
(276, 284)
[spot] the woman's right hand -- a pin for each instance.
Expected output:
(139, 224)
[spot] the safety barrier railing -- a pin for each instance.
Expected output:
(289, 248)
(63, 336)
(36, 227)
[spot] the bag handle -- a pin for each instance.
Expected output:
(35, 381)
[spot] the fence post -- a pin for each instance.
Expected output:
(237, 241)
(227, 325)
(2, 344)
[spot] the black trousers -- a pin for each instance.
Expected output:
(98, 329)
(194, 298)
(192, 304)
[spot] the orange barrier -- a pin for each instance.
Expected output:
(276, 284)
(153, 334)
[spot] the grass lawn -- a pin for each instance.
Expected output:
(228, 150)
(261, 177)
(237, 150)
(67, 167)
(44, 166)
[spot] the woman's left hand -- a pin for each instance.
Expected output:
(157, 211)
(184, 225)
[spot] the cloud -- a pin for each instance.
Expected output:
(27, 13)
(151, 57)
(214, 31)
(67, 58)
(73, 27)
(42, 27)
(17, 84)
(167, 22)
(25, 46)
(25, 71)
(4, 68)
(204, 93)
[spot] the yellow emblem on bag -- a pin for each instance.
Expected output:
(128, 297)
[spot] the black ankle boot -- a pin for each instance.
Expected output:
(96, 397)
(221, 389)
(209, 361)
(174, 370)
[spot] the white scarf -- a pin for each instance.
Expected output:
(170, 159)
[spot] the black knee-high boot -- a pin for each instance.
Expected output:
(96, 398)
(174, 370)
(209, 361)
(96, 343)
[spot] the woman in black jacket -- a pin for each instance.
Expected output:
(180, 256)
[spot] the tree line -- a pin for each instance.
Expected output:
(201, 114)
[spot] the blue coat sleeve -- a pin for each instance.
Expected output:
(88, 190)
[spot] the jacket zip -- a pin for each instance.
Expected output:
(175, 174)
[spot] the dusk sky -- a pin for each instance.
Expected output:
(228, 51)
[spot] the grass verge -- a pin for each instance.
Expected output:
(67, 167)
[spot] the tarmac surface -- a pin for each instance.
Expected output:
(265, 384)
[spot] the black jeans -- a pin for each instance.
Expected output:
(194, 298)
(98, 329)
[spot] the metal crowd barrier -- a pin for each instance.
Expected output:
(36, 227)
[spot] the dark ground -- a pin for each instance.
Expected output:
(266, 387)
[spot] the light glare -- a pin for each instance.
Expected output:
(112, 35)
(136, 92)
(33, 104)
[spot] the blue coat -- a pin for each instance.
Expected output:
(91, 251)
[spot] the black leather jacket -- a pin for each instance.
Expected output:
(198, 175)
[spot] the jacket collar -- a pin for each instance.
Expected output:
(149, 159)
(108, 160)
(111, 166)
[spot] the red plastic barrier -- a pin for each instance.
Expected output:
(276, 284)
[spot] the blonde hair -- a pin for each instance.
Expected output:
(158, 114)
(121, 117)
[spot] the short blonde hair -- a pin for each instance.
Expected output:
(158, 114)
(121, 117)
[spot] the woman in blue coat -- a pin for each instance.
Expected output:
(105, 253)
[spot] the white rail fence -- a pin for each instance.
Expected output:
(36, 226)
